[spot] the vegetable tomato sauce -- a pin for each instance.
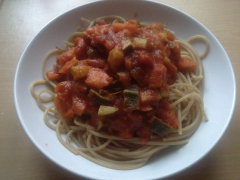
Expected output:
(116, 78)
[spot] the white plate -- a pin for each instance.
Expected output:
(219, 90)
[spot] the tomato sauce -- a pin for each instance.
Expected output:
(117, 76)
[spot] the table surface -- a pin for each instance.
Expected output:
(21, 20)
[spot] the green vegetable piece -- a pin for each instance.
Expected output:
(131, 98)
(127, 47)
(99, 98)
(106, 110)
(121, 74)
(139, 43)
(157, 126)
(90, 51)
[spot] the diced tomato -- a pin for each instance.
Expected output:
(186, 65)
(64, 106)
(66, 67)
(66, 56)
(143, 58)
(157, 56)
(64, 88)
(69, 114)
(97, 35)
(63, 101)
(119, 102)
(128, 63)
(158, 76)
(53, 76)
(149, 95)
(175, 51)
(170, 118)
(124, 26)
(80, 42)
(79, 105)
(98, 63)
(135, 56)
(97, 78)
(172, 68)
(164, 105)
(167, 114)
(172, 71)
(81, 47)
(137, 74)
(66, 102)
(80, 87)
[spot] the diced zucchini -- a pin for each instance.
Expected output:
(131, 98)
(139, 43)
(166, 60)
(121, 74)
(79, 72)
(106, 110)
(90, 51)
(99, 98)
(115, 58)
(157, 126)
(127, 47)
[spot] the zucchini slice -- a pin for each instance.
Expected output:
(106, 110)
(131, 98)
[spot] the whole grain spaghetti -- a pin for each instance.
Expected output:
(122, 91)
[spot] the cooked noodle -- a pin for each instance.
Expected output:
(113, 152)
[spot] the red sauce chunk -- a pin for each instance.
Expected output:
(97, 78)
(116, 78)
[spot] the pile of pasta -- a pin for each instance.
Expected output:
(122, 91)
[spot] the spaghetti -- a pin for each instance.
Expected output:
(170, 111)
